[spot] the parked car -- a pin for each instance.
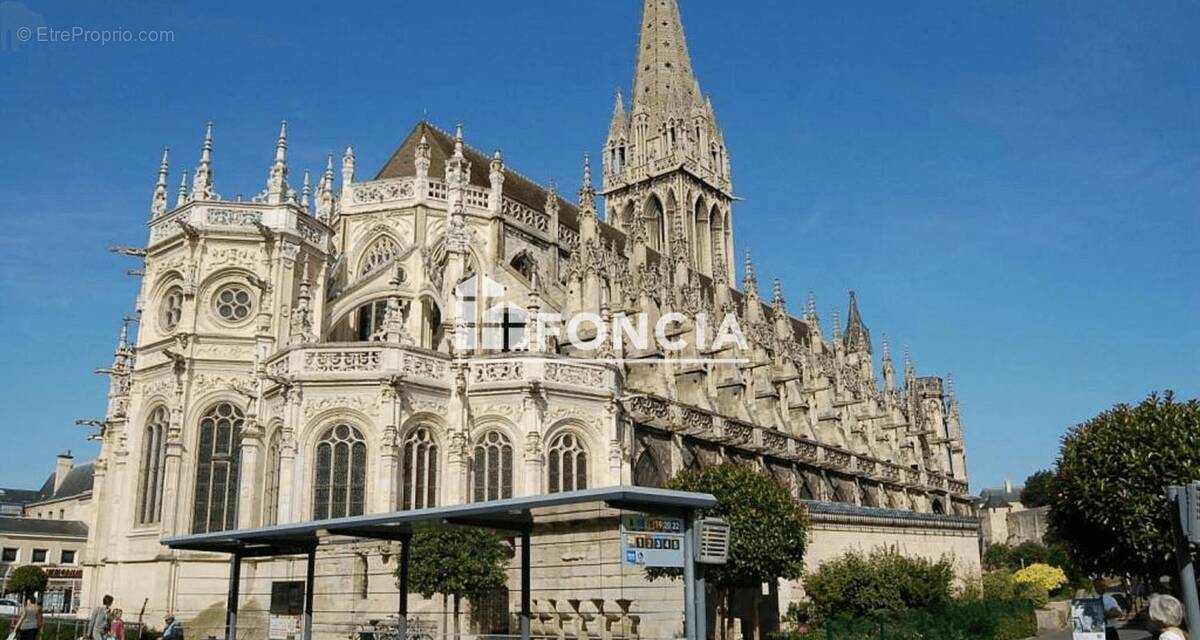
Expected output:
(9, 607)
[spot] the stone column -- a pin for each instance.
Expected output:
(287, 457)
(173, 522)
(249, 482)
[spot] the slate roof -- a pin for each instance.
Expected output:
(820, 507)
(998, 497)
(516, 186)
(18, 497)
(78, 481)
(45, 527)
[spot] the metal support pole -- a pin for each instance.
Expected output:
(689, 580)
(701, 605)
(404, 557)
(1183, 559)
(231, 604)
(525, 580)
(310, 580)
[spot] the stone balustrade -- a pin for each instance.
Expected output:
(239, 217)
(360, 361)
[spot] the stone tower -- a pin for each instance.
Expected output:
(666, 170)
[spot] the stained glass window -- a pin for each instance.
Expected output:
(217, 464)
(339, 488)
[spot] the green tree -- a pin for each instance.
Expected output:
(1038, 489)
(457, 563)
(1110, 505)
(26, 580)
(768, 537)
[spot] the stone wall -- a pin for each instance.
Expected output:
(580, 587)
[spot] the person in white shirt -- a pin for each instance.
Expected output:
(1166, 615)
(1112, 610)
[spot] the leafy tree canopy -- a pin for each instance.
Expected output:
(769, 527)
(26, 580)
(1038, 489)
(458, 562)
(1109, 503)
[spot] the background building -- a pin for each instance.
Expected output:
(1004, 520)
(296, 359)
(48, 528)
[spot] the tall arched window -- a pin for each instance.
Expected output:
(568, 464)
(493, 467)
(217, 462)
(419, 471)
(340, 480)
(154, 449)
(381, 252)
(271, 483)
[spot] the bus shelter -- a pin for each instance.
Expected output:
(514, 516)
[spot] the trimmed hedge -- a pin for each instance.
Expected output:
(983, 620)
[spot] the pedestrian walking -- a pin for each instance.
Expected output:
(29, 623)
(98, 622)
(116, 625)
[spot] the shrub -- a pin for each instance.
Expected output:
(884, 581)
(990, 620)
(997, 556)
(1032, 592)
(998, 585)
(1043, 575)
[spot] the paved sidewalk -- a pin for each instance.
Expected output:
(1126, 634)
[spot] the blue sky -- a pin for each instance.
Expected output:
(1013, 188)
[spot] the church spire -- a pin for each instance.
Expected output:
(664, 83)
(858, 338)
(620, 121)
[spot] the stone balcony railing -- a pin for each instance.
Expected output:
(239, 217)
(359, 361)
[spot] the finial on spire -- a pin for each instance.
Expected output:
(348, 167)
(887, 349)
(587, 192)
(458, 141)
(281, 145)
(305, 191)
(158, 204)
(837, 328)
(202, 181)
(777, 295)
(181, 199)
(749, 282)
(810, 307)
(277, 186)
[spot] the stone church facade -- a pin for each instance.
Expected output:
(296, 360)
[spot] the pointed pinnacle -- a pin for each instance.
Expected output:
(777, 294)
